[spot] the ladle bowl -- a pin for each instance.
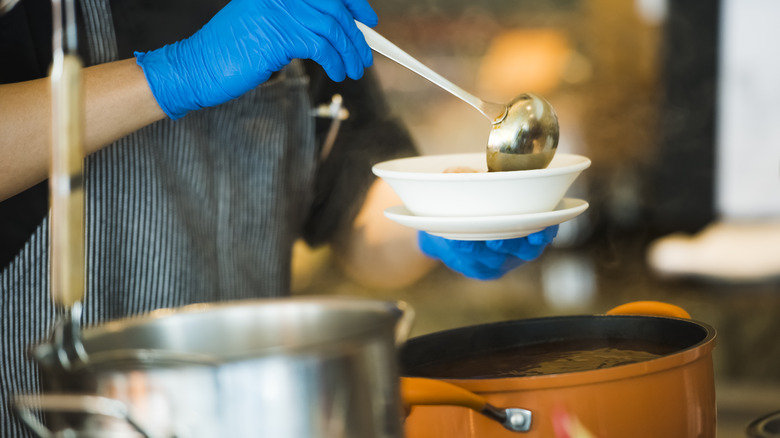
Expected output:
(525, 132)
(526, 138)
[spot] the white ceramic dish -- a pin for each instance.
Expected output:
(426, 190)
(488, 227)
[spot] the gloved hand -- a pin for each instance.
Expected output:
(486, 260)
(247, 40)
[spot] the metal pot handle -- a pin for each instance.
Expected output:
(404, 324)
(25, 405)
(421, 391)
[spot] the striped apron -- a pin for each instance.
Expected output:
(202, 209)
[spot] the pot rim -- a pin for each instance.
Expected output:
(163, 314)
(45, 353)
(698, 351)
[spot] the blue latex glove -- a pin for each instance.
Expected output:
(250, 39)
(486, 260)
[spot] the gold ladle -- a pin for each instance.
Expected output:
(525, 131)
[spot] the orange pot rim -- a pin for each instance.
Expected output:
(701, 349)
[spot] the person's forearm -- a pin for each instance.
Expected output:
(379, 252)
(118, 101)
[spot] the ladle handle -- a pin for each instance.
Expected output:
(66, 186)
(493, 111)
(66, 181)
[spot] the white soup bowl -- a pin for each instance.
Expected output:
(428, 187)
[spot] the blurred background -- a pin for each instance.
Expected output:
(640, 87)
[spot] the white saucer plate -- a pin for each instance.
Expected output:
(488, 227)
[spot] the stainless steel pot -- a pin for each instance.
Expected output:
(293, 367)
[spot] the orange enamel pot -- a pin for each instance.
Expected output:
(671, 395)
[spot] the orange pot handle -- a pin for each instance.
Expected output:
(652, 308)
(421, 391)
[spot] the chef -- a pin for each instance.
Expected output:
(204, 162)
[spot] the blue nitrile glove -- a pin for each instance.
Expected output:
(486, 260)
(250, 39)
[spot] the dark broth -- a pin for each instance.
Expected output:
(548, 358)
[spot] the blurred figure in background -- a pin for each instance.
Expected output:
(743, 244)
